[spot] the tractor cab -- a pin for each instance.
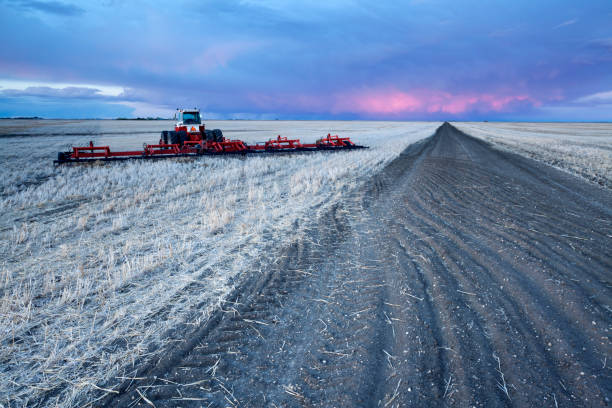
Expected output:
(189, 120)
(188, 117)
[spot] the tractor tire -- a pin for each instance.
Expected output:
(209, 135)
(174, 137)
(164, 136)
(183, 137)
(218, 135)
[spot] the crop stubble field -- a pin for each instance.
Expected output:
(584, 149)
(101, 263)
(104, 266)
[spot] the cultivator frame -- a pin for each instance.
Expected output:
(196, 146)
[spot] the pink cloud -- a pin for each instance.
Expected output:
(394, 102)
(377, 102)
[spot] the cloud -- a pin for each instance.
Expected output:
(143, 109)
(393, 103)
(258, 57)
(51, 7)
(427, 102)
(220, 55)
(71, 92)
(565, 23)
(75, 94)
(599, 97)
(602, 43)
(76, 99)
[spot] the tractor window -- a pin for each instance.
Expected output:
(191, 118)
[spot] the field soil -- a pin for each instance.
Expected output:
(460, 275)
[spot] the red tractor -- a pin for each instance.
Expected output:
(191, 138)
(190, 128)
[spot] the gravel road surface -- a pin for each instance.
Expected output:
(459, 276)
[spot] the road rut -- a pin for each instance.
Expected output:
(460, 275)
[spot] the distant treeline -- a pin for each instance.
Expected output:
(39, 118)
(156, 118)
(23, 117)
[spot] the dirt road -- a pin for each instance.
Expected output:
(460, 276)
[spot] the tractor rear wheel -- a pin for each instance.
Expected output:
(209, 135)
(183, 137)
(174, 137)
(218, 135)
(164, 136)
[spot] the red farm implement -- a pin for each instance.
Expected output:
(191, 138)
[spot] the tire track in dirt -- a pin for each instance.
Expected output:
(459, 276)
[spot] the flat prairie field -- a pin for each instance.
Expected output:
(584, 149)
(460, 265)
(99, 263)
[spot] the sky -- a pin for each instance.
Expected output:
(523, 60)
